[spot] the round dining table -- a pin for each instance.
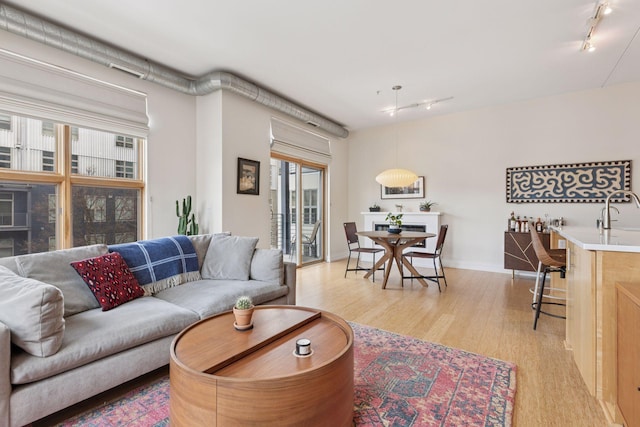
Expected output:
(394, 245)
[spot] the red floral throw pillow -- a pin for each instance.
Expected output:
(110, 279)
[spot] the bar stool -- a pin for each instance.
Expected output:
(553, 261)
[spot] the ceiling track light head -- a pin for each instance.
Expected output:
(602, 8)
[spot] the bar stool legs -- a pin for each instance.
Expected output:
(538, 304)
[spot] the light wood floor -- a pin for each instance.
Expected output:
(484, 313)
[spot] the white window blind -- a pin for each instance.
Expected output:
(33, 88)
(298, 143)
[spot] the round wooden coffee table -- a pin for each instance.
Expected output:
(220, 376)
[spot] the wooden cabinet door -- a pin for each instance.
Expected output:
(519, 253)
(628, 318)
(581, 312)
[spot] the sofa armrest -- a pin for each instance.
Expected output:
(290, 281)
(5, 374)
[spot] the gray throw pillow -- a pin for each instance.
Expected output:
(267, 266)
(33, 311)
(229, 257)
(54, 268)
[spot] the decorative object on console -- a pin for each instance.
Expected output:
(243, 312)
(395, 222)
(412, 191)
(374, 208)
(396, 177)
(569, 183)
(248, 177)
(426, 206)
(187, 226)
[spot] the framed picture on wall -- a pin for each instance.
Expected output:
(413, 191)
(248, 176)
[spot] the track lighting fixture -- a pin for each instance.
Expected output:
(602, 8)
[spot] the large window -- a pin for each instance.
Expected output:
(64, 186)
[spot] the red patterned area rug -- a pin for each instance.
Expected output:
(399, 381)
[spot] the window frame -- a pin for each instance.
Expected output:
(64, 179)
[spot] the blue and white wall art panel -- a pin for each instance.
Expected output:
(571, 183)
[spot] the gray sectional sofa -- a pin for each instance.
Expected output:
(58, 346)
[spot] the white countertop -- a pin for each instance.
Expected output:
(593, 239)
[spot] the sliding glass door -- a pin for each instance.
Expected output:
(297, 210)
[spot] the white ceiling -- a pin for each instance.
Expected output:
(340, 58)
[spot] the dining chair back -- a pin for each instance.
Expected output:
(353, 243)
(435, 256)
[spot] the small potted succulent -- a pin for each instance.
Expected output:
(395, 222)
(374, 208)
(426, 206)
(243, 312)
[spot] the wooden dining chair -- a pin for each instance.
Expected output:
(353, 243)
(435, 256)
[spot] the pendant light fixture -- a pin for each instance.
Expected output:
(396, 177)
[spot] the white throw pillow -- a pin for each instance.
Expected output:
(229, 257)
(33, 311)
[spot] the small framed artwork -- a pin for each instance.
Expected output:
(248, 176)
(413, 191)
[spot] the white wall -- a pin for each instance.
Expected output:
(230, 126)
(171, 143)
(464, 158)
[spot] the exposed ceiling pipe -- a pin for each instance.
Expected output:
(35, 28)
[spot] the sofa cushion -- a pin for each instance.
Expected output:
(229, 257)
(201, 244)
(53, 268)
(209, 297)
(95, 334)
(160, 263)
(110, 279)
(267, 265)
(33, 311)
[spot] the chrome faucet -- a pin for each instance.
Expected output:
(600, 221)
(607, 210)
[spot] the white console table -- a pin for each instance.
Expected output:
(429, 220)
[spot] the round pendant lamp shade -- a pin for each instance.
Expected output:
(396, 178)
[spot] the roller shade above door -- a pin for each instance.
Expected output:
(298, 143)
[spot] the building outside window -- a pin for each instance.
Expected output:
(5, 157)
(48, 129)
(53, 208)
(310, 206)
(6, 209)
(48, 161)
(95, 208)
(124, 169)
(6, 247)
(5, 122)
(63, 209)
(124, 141)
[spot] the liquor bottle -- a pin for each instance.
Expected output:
(512, 222)
(518, 224)
(539, 226)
